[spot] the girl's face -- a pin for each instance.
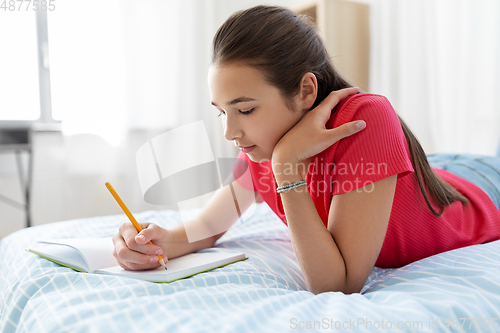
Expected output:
(253, 112)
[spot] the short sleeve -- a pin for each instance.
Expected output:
(377, 152)
(242, 173)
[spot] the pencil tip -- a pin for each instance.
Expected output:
(163, 264)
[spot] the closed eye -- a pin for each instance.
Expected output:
(248, 111)
(242, 112)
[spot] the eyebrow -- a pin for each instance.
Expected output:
(237, 100)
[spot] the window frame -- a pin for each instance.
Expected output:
(45, 122)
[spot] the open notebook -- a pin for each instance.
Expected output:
(95, 255)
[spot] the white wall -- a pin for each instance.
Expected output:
(61, 190)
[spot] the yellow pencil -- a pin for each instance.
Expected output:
(130, 216)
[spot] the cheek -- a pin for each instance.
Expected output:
(270, 135)
(280, 127)
(270, 128)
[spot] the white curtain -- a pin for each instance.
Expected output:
(438, 61)
(120, 65)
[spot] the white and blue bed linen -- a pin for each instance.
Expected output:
(265, 293)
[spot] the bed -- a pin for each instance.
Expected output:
(456, 291)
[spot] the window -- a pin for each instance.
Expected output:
(18, 65)
(24, 83)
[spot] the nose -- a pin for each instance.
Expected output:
(232, 130)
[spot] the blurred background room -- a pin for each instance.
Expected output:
(84, 84)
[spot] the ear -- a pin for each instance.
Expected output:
(308, 91)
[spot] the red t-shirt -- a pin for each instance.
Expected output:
(379, 151)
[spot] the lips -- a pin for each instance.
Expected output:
(246, 149)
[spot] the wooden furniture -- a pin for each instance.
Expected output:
(344, 27)
(18, 140)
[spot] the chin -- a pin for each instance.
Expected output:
(258, 159)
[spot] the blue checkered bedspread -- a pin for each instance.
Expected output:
(456, 291)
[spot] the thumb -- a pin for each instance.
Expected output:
(347, 129)
(359, 125)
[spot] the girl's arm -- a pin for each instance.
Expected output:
(358, 223)
(215, 218)
(219, 214)
(341, 257)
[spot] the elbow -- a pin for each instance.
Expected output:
(335, 280)
(352, 290)
(326, 283)
(345, 288)
(317, 291)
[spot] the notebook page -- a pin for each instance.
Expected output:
(62, 254)
(97, 252)
(180, 267)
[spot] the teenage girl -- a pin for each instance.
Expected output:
(356, 196)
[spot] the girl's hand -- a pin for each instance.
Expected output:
(132, 250)
(310, 135)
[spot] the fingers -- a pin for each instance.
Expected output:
(137, 243)
(132, 255)
(343, 93)
(336, 96)
(150, 232)
(132, 260)
(347, 129)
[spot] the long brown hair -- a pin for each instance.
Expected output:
(285, 46)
